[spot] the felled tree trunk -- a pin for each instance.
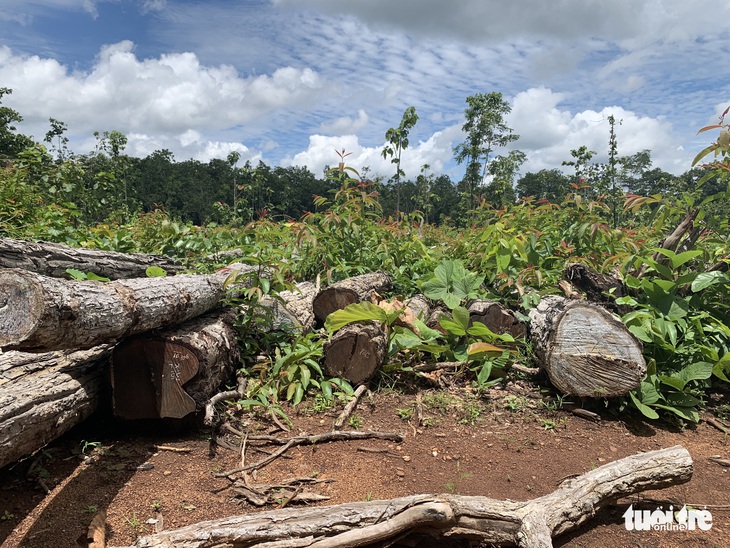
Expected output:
(173, 372)
(43, 313)
(498, 318)
(597, 287)
(44, 395)
(502, 523)
(349, 291)
(585, 350)
(293, 309)
(53, 259)
(355, 352)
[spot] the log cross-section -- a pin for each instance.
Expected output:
(585, 349)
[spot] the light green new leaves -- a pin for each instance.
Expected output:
(452, 283)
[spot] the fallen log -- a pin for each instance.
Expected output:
(585, 350)
(293, 309)
(352, 290)
(44, 395)
(356, 352)
(52, 260)
(44, 313)
(173, 372)
(597, 287)
(532, 523)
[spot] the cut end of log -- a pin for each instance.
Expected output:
(585, 350)
(355, 353)
(147, 379)
(20, 308)
(332, 299)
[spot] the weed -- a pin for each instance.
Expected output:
(439, 400)
(157, 505)
(355, 421)
(133, 522)
(322, 403)
(405, 413)
(7, 516)
(85, 445)
(90, 509)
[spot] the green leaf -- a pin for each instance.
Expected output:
(354, 313)
(155, 272)
(76, 274)
(96, 277)
(452, 327)
(706, 279)
(461, 316)
(678, 259)
(645, 409)
(687, 413)
(722, 368)
(696, 371)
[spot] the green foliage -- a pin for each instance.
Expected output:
(452, 284)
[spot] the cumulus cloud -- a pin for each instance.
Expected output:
(345, 124)
(166, 96)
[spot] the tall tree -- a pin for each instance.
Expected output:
(486, 131)
(546, 184)
(397, 142)
(11, 143)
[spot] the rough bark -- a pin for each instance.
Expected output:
(355, 352)
(294, 309)
(53, 259)
(43, 313)
(173, 372)
(498, 318)
(503, 523)
(349, 291)
(600, 288)
(44, 395)
(585, 350)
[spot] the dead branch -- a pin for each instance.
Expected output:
(350, 407)
(500, 522)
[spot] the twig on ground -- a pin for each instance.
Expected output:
(350, 407)
(717, 424)
(325, 437)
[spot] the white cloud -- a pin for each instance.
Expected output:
(345, 124)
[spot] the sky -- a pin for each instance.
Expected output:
(291, 82)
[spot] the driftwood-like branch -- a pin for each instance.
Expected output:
(504, 523)
(338, 435)
(350, 407)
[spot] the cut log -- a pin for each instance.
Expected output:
(349, 291)
(356, 352)
(497, 317)
(53, 259)
(44, 395)
(598, 288)
(43, 313)
(480, 519)
(585, 350)
(172, 373)
(293, 309)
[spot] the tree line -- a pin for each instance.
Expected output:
(107, 185)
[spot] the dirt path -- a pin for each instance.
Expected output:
(501, 446)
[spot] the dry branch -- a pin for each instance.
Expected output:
(350, 407)
(504, 523)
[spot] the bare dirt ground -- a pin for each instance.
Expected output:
(507, 444)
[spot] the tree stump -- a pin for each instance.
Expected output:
(349, 291)
(530, 523)
(356, 352)
(585, 350)
(173, 372)
(43, 395)
(53, 259)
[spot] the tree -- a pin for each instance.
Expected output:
(485, 130)
(586, 173)
(11, 143)
(546, 184)
(397, 142)
(57, 132)
(233, 158)
(503, 170)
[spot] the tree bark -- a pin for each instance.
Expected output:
(498, 318)
(355, 352)
(43, 313)
(585, 350)
(349, 291)
(44, 395)
(173, 372)
(598, 288)
(53, 259)
(502, 523)
(294, 309)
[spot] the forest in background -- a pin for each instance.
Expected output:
(512, 233)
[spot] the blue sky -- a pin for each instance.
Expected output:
(290, 82)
